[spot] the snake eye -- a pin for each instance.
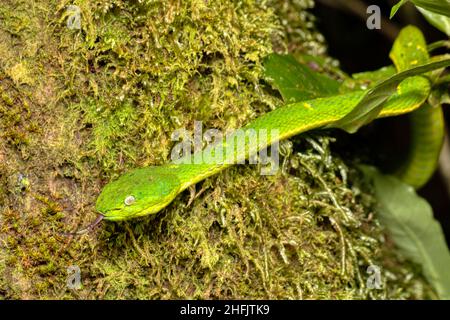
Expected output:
(129, 200)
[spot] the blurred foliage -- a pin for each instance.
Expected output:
(409, 219)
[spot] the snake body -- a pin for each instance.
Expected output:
(426, 123)
(147, 190)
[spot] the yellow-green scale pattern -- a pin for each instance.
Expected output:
(426, 123)
(292, 120)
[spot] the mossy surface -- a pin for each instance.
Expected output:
(80, 107)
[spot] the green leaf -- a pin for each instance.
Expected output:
(436, 6)
(440, 94)
(438, 76)
(438, 44)
(409, 220)
(444, 82)
(296, 82)
(439, 21)
(396, 7)
(377, 75)
(441, 7)
(319, 64)
(372, 102)
(367, 79)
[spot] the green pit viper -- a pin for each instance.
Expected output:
(146, 191)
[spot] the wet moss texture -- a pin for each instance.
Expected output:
(78, 107)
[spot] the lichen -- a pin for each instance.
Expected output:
(80, 107)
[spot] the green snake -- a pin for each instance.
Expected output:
(146, 191)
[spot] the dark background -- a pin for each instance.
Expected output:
(343, 23)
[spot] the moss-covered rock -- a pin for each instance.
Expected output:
(80, 106)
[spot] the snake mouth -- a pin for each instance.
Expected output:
(111, 214)
(117, 214)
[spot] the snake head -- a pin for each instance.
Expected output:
(137, 193)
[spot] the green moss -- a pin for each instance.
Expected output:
(79, 107)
